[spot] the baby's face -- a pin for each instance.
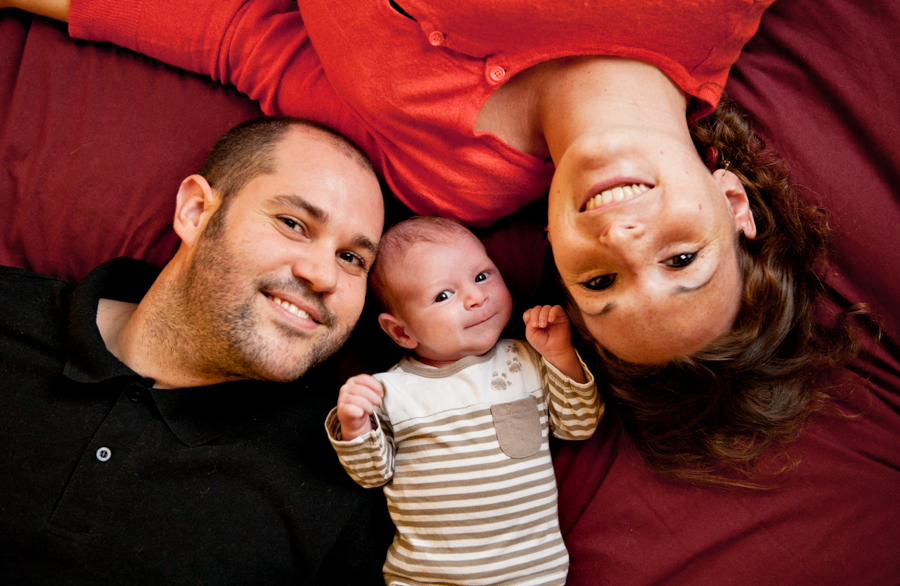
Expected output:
(453, 300)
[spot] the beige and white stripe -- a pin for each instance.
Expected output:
(466, 512)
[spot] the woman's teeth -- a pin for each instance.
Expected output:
(619, 193)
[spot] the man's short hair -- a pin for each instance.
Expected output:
(248, 150)
(398, 240)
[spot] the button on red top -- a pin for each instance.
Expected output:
(436, 38)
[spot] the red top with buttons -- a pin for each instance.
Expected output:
(407, 87)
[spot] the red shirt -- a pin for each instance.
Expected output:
(408, 91)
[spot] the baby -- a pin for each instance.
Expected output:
(457, 431)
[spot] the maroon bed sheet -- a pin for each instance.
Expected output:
(94, 141)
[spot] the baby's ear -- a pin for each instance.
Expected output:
(396, 328)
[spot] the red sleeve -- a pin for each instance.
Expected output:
(261, 47)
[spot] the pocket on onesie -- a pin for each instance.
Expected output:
(518, 427)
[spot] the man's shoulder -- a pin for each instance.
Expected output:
(18, 275)
(24, 292)
(34, 314)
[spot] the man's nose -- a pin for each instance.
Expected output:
(318, 268)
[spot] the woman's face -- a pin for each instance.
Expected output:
(644, 241)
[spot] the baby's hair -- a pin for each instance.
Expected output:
(397, 241)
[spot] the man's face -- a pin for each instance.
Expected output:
(281, 286)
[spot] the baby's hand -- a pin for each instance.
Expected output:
(547, 329)
(356, 402)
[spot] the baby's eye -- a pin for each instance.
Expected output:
(481, 277)
(682, 260)
(600, 283)
(443, 296)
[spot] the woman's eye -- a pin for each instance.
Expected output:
(600, 283)
(481, 277)
(681, 260)
(443, 296)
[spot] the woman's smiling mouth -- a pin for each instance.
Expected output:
(614, 194)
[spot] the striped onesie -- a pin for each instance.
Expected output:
(463, 455)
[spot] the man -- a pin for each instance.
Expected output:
(142, 441)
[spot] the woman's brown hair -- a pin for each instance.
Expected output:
(715, 417)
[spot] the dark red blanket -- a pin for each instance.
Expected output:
(94, 141)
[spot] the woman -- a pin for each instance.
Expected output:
(644, 237)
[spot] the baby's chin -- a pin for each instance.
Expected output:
(441, 360)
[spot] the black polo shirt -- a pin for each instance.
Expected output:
(106, 480)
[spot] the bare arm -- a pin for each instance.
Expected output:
(57, 9)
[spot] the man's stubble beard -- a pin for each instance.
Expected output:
(222, 326)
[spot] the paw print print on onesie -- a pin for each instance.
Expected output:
(499, 382)
(514, 365)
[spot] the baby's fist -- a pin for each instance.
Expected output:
(357, 401)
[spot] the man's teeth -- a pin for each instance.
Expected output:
(290, 307)
(619, 193)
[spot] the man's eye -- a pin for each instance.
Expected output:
(600, 283)
(481, 277)
(353, 259)
(292, 224)
(443, 296)
(681, 260)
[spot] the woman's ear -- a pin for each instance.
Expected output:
(737, 199)
(195, 203)
(398, 331)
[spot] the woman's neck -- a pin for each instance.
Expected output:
(597, 95)
(542, 109)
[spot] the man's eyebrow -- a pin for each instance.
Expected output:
(297, 202)
(363, 242)
(321, 216)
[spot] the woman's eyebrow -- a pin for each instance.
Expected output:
(605, 309)
(679, 289)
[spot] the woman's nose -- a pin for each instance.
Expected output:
(625, 231)
(626, 240)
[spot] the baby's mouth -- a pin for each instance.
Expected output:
(618, 193)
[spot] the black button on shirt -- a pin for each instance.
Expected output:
(106, 480)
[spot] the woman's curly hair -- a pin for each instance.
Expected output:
(712, 417)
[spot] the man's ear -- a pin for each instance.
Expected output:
(737, 199)
(396, 328)
(195, 203)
